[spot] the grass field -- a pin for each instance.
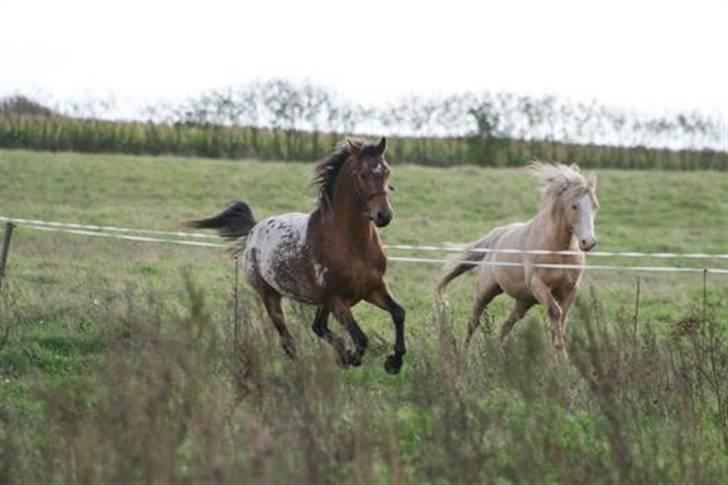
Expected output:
(123, 362)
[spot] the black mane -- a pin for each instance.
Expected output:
(327, 171)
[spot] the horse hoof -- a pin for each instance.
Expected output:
(393, 364)
(290, 349)
(349, 359)
(353, 359)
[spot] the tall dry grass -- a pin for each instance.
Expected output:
(188, 397)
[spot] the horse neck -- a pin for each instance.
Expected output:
(348, 215)
(553, 227)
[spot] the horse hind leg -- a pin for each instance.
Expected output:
(484, 295)
(272, 301)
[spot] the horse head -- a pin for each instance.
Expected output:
(370, 179)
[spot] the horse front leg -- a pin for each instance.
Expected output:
(383, 299)
(518, 312)
(543, 295)
(566, 301)
(342, 312)
(320, 327)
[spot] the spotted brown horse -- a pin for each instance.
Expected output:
(331, 257)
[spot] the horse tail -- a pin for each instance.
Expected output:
(462, 263)
(233, 223)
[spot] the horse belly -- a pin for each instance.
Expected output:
(278, 253)
(512, 281)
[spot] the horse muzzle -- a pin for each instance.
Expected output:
(382, 218)
(587, 245)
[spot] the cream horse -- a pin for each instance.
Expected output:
(564, 223)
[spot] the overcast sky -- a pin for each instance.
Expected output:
(653, 56)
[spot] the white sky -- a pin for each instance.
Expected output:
(652, 56)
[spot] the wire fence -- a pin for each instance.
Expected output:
(131, 234)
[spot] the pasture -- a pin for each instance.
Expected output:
(126, 361)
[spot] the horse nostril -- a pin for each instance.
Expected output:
(588, 244)
(383, 218)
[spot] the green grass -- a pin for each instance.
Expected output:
(641, 211)
(81, 309)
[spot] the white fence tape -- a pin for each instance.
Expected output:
(36, 223)
(93, 233)
(448, 249)
(607, 267)
(622, 254)
(128, 238)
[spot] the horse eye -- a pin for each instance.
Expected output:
(363, 176)
(574, 207)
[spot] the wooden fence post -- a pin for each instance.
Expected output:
(636, 313)
(236, 308)
(705, 297)
(9, 226)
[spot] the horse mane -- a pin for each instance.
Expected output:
(327, 171)
(559, 181)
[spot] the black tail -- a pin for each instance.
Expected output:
(234, 222)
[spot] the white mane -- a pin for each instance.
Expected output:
(561, 181)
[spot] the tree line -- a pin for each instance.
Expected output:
(283, 120)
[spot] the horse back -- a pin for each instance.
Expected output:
(303, 259)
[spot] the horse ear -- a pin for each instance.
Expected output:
(354, 147)
(591, 181)
(382, 146)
